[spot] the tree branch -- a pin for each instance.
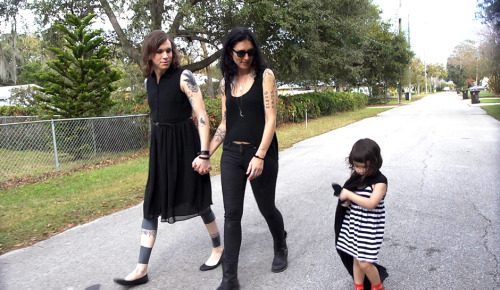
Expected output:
(174, 29)
(129, 49)
(204, 63)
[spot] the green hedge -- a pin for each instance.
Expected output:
(17, 111)
(290, 108)
(293, 108)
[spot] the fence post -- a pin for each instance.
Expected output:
(93, 137)
(306, 118)
(55, 143)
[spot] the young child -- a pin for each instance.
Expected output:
(360, 216)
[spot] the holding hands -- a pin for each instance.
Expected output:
(201, 164)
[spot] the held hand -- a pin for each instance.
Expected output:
(202, 166)
(344, 196)
(255, 168)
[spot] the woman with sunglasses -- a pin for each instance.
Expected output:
(250, 147)
(178, 186)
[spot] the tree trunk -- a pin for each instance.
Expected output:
(210, 87)
(14, 51)
(157, 8)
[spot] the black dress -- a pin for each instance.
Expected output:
(174, 190)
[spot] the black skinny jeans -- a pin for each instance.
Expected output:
(234, 163)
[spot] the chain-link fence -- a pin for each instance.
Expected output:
(35, 148)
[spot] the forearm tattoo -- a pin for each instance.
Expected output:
(149, 233)
(202, 122)
(191, 81)
(220, 135)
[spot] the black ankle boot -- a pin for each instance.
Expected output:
(229, 277)
(280, 261)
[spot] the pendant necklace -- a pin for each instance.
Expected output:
(240, 106)
(239, 100)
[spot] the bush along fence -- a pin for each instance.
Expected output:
(36, 148)
(40, 147)
(296, 108)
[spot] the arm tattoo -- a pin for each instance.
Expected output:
(274, 96)
(202, 122)
(270, 97)
(220, 91)
(191, 81)
(149, 233)
(266, 99)
(220, 135)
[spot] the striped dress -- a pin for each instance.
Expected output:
(362, 230)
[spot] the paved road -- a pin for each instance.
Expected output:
(442, 160)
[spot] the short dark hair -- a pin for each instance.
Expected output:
(149, 46)
(229, 69)
(363, 151)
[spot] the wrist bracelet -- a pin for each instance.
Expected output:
(257, 156)
(204, 152)
(204, 158)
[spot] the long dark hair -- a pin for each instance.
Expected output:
(363, 151)
(149, 46)
(228, 67)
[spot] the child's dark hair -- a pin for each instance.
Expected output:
(366, 151)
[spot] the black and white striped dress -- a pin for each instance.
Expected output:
(363, 229)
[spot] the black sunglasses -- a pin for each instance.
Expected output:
(241, 53)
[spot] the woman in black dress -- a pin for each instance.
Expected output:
(178, 186)
(250, 150)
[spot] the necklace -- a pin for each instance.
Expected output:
(239, 102)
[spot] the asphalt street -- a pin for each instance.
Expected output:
(441, 158)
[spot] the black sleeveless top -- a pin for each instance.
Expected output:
(250, 127)
(167, 94)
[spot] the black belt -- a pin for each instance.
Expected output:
(170, 123)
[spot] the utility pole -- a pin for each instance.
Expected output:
(409, 70)
(401, 70)
(425, 73)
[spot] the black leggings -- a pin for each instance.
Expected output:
(234, 163)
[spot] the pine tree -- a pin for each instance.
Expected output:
(81, 80)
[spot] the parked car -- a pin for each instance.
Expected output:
(477, 88)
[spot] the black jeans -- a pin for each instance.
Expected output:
(234, 163)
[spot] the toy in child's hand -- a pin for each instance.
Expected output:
(336, 192)
(336, 189)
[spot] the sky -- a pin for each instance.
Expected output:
(436, 26)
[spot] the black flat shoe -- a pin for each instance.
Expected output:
(143, 280)
(205, 267)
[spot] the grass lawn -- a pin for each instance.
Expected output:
(33, 212)
(414, 97)
(493, 110)
(489, 100)
(37, 163)
(484, 94)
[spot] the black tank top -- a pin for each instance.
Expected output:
(168, 103)
(250, 127)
